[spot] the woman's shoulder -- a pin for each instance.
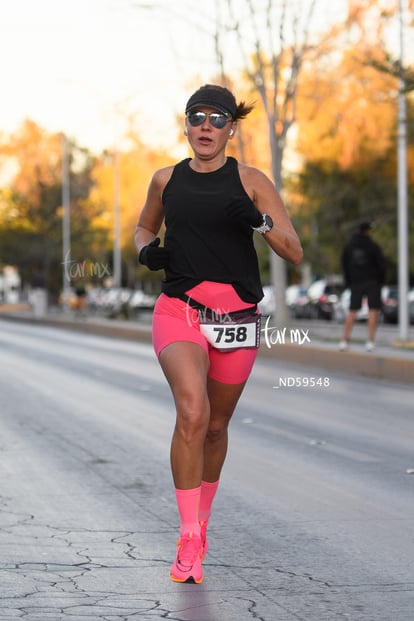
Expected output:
(252, 176)
(162, 176)
(163, 173)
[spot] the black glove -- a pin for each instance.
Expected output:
(241, 208)
(153, 257)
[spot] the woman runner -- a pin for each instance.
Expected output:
(205, 322)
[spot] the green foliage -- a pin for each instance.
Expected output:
(334, 202)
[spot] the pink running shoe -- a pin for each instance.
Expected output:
(187, 564)
(204, 540)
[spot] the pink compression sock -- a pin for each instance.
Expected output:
(188, 501)
(208, 491)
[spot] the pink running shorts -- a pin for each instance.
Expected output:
(174, 320)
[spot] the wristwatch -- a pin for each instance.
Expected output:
(265, 227)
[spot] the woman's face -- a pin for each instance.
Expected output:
(205, 138)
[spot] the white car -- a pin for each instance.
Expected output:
(267, 304)
(341, 307)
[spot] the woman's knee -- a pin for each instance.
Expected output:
(217, 431)
(192, 411)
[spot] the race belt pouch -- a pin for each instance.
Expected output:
(228, 332)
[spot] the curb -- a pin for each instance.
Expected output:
(355, 363)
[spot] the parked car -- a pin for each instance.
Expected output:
(322, 296)
(341, 308)
(96, 299)
(115, 300)
(297, 300)
(411, 305)
(390, 303)
(389, 297)
(267, 304)
(140, 301)
(293, 294)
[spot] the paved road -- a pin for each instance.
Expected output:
(313, 521)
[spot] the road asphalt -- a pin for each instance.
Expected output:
(313, 519)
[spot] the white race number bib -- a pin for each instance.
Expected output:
(231, 334)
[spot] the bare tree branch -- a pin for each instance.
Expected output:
(274, 74)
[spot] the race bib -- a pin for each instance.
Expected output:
(231, 334)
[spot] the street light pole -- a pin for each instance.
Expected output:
(403, 268)
(117, 223)
(65, 222)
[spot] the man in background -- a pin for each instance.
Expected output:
(363, 265)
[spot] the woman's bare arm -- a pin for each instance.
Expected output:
(282, 238)
(152, 214)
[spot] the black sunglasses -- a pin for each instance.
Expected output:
(217, 119)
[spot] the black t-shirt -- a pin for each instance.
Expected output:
(204, 243)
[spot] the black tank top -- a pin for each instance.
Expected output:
(204, 243)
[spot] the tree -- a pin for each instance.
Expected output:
(274, 39)
(31, 204)
(347, 114)
(137, 164)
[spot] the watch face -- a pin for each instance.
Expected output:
(268, 221)
(266, 226)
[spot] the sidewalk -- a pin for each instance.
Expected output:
(314, 344)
